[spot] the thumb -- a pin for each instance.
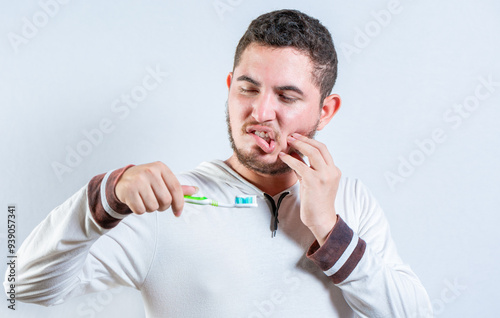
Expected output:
(189, 190)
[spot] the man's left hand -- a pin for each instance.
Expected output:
(319, 183)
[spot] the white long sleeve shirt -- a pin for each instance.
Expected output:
(221, 262)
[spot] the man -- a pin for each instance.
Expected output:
(329, 252)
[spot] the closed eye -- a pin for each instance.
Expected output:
(248, 91)
(288, 99)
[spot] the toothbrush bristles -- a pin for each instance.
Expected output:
(245, 201)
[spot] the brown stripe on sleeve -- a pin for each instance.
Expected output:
(94, 199)
(336, 243)
(351, 263)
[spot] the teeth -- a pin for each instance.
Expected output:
(262, 134)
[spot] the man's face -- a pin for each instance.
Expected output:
(271, 95)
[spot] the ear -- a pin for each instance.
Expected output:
(229, 79)
(331, 105)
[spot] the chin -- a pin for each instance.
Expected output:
(268, 164)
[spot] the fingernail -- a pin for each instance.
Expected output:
(292, 139)
(281, 154)
(196, 189)
(296, 135)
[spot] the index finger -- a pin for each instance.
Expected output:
(318, 145)
(175, 189)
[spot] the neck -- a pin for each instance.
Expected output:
(270, 184)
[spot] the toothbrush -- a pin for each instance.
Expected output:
(239, 201)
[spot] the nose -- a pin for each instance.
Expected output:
(263, 108)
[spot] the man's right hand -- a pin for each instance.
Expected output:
(152, 187)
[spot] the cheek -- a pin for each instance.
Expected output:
(293, 120)
(238, 111)
(236, 118)
(301, 123)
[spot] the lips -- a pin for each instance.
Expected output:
(264, 137)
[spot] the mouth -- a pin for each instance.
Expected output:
(264, 137)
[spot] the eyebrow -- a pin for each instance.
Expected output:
(246, 78)
(290, 88)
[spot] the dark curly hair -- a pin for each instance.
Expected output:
(292, 28)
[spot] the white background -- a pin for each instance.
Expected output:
(401, 77)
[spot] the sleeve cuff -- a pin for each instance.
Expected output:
(104, 205)
(340, 254)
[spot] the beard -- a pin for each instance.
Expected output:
(250, 158)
